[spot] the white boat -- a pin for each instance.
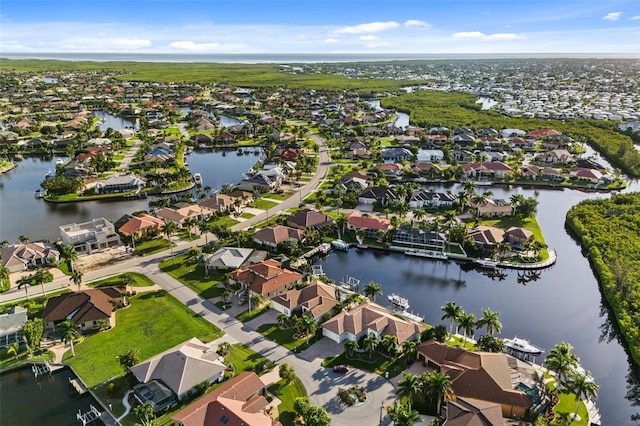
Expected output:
(483, 183)
(486, 263)
(340, 245)
(197, 178)
(522, 349)
(432, 254)
(398, 301)
(40, 193)
(59, 161)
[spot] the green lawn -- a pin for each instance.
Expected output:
(245, 316)
(246, 215)
(274, 196)
(287, 393)
(286, 337)
(567, 404)
(193, 276)
(139, 280)
(530, 224)
(186, 236)
(153, 246)
(380, 364)
(154, 322)
(243, 358)
(225, 222)
(8, 361)
(262, 204)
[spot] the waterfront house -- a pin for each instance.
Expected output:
(517, 236)
(277, 234)
(180, 368)
(530, 171)
(471, 411)
(120, 184)
(233, 258)
(493, 208)
(486, 237)
(87, 308)
(11, 324)
(551, 174)
(20, 257)
(381, 194)
(555, 156)
(396, 155)
(267, 278)
(391, 170)
(368, 318)
(90, 237)
(369, 224)
(430, 239)
(429, 155)
(307, 218)
(426, 169)
(141, 225)
(314, 299)
(239, 401)
(480, 375)
(591, 175)
(494, 169)
(422, 199)
(260, 181)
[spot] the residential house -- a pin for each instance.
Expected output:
(493, 208)
(424, 238)
(314, 299)
(180, 369)
(369, 224)
(396, 155)
(549, 173)
(512, 133)
(141, 225)
(429, 155)
(90, 237)
(422, 199)
(260, 181)
(530, 171)
(462, 156)
(220, 203)
(426, 169)
(368, 318)
(306, 218)
(391, 170)
(11, 324)
(480, 375)
(20, 257)
(239, 401)
(87, 308)
(267, 278)
(592, 175)
(277, 234)
(486, 237)
(471, 411)
(517, 236)
(381, 194)
(233, 258)
(556, 156)
(464, 140)
(120, 184)
(494, 169)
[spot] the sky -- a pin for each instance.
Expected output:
(320, 26)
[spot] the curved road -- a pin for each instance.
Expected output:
(320, 382)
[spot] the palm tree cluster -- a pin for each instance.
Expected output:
(432, 385)
(303, 324)
(467, 321)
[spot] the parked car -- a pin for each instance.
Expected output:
(340, 369)
(243, 300)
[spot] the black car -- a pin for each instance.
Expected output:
(340, 369)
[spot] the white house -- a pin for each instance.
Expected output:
(90, 237)
(430, 155)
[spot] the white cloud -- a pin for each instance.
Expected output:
(371, 27)
(368, 37)
(635, 18)
(331, 40)
(193, 46)
(613, 16)
(416, 23)
(376, 45)
(477, 35)
(128, 43)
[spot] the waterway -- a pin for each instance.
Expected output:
(563, 305)
(108, 120)
(56, 401)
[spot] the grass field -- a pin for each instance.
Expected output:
(262, 204)
(193, 276)
(243, 358)
(153, 246)
(286, 337)
(287, 393)
(139, 280)
(154, 322)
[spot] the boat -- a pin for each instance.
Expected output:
(486, 263)
(398, 301)
(350, 283)
(522, 349)
(40, 193)
(59, 161)
(340, 245)
(197, 178)
(49, 174)
(483, 183)
(432, 254)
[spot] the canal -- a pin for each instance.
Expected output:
(563, 304)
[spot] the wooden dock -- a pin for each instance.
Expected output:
(78, 386)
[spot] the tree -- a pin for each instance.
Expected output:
(410, 387)
(491, 344)
(561, 360)
(389, 343)
(169, 229)
(42, 276)
(437, 384)
(204, 227)
(14, 349)
(128, 359)
(194, 253)
(438, 333)
(583, 386)
(4, 277)
(311, 414)
(370, 343)
(144, 413)
(76, 278)
(468, 324)
(409, 349)
(452, 312)
(490, 320)
(401, 415)
(23, 239)
(189, 222)
(283, 320)
(69, 254)
(32, 334)
(287, 373)
(372, 289)
(308, 326)
(25, 281)
(350, 346)
(68, 331)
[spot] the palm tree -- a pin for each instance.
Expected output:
(14, 349)
(25, 281)
(68, 331)
(438, 385)
(370, 343)
(23, 239)
(402, 416)
(283, 320)
(350, 346)
(452, 312)
(372, 289)
(41, 277)
(409, 349)
(188, 223)
(4, 276)
(583, 386)
(169, 229)
(76, 277)
(204, 227)
(469, 186)
(490, 320)
(410, 387)
(70, 255)
(462, 199)
(561, 360)
(389, 343)
(468, 324)
(308, 326)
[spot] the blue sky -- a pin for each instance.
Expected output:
(320, 26)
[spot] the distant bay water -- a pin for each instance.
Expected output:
(293, 58)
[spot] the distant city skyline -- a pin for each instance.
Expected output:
(321, 26)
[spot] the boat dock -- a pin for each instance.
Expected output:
(40, 369)
(78, 386)
(85, 418)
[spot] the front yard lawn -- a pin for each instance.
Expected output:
(244, 316)
(274, 196)
(246, 215)
(287, 337)
(153, 246)
(262, 204)
(154, 322)
(139, 280)
(287, 393)
(225, 222)
(193, 276)
(244, 359)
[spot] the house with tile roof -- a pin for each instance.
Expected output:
(369, 224)
(85, 308)
(233, 258)
(21, 257)
(481, 375)
(307, 218)
(267, 278)
(486, 236)
(494, 169)
(314, 299)
(239, 401)
(140, 225)
(493, 208)
(276, 234)
(368, 318)
(182, 367)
